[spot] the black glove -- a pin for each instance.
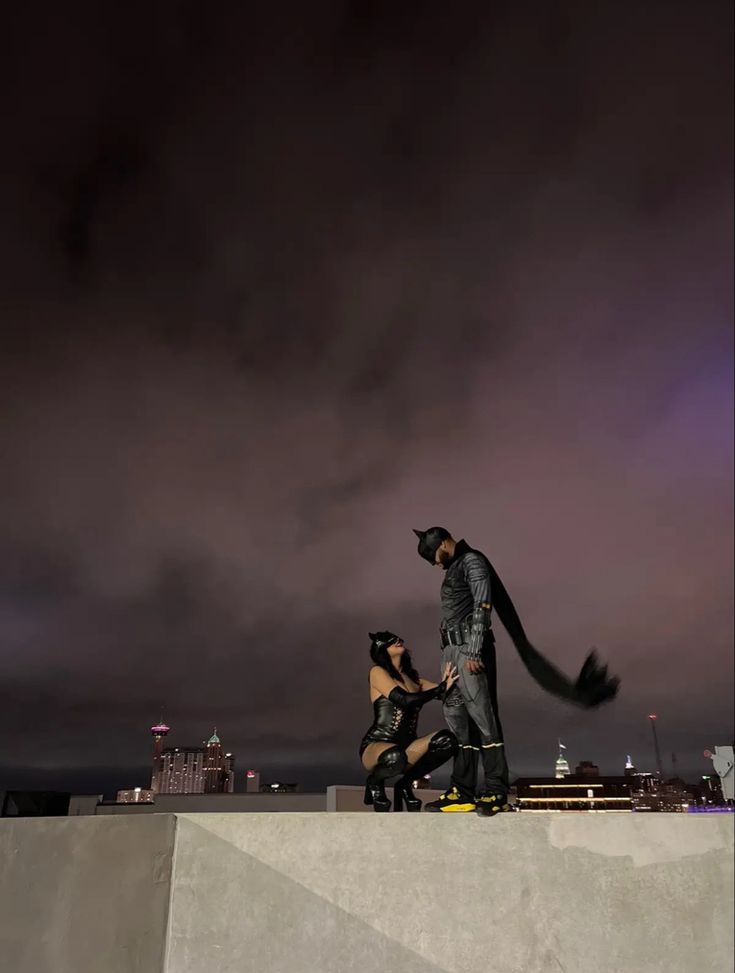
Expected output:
(399, 697)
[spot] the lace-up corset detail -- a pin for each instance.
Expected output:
(392, 724)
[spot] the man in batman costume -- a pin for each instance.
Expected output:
(470, 590)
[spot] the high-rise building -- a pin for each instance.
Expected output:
(214, 765)
(191, 770)
(252, 781)
(159, 731)
(562, 765)
(219, 768)
(630, 770)
(229, 780)
(182, 771)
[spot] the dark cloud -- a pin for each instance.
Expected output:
(280, 287)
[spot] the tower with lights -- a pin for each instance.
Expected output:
(562, 764)
(659, 766)
(219, 767)
(160, 732)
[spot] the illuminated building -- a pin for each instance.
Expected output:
(191, 770)
(278, 788)
(137, 795)
(574, 793)
(219, 768)
(711, 790)
(562, 766)
(159, 731)
(252, 782)
(629, 768)
(182, 771)
(658, 795)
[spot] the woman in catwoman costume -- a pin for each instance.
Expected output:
(391, 748)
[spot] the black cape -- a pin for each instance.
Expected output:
(591, 688)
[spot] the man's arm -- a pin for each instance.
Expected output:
(477, 576)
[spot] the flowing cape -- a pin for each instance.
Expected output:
(592, 687)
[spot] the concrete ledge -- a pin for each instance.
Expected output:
(333, 892)
(84, 895)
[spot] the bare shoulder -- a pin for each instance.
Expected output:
(378, 674)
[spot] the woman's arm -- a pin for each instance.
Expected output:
(401, 698)
(382, 683)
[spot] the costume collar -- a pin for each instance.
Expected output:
(460, 549)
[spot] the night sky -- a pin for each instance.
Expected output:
(280, 285)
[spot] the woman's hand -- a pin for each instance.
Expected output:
(450, 675)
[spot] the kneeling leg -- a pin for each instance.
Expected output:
(391, 763)
(442, 746)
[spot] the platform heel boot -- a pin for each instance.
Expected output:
(391, 763)
(442, 747)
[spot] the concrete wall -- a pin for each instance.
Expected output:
(409, 893)
(390, 893)
(84, 895)
(229, 803)
(342, 797)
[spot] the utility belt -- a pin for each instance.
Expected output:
(460, 634)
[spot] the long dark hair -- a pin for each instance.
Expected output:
(380, 642)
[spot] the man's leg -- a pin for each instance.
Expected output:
(479, 692)
(464, 768)
(461, 795)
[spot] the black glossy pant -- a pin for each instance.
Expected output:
(471, 713)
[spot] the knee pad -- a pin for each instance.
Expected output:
(392, 762)
(444, 742)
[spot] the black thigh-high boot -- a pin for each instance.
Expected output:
(442, 747)
(391, 763)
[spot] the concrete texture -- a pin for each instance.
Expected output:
(345, 798)
(82, 895)
(229, 803)
(405, 893)
(331, 893)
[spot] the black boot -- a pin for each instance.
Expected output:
(442, 747)
(403, 794)
(390, 763)
(375, 795)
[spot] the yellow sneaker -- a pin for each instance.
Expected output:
(488, 805)
(452, 801)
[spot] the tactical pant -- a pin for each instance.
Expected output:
(471, 713)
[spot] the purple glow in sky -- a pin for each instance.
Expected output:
(279, 287)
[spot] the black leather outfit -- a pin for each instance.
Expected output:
(397, 716)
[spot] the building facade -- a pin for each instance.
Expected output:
(137, 795)
(574, 793)
(191, 770)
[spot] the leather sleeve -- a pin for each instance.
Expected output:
(399, 697)
(478, 580)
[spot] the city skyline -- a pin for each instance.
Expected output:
(278, 290)
(238, 780)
